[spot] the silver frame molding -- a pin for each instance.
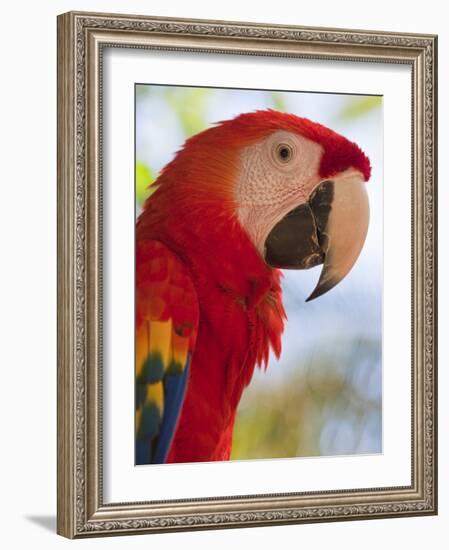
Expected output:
(81, 39)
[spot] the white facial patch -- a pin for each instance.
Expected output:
(277, 174)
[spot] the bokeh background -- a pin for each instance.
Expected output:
(324, 396)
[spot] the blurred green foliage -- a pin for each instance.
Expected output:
(144, 178)
(289, 418)
(189, 107)
(278, 101)
(357, 107)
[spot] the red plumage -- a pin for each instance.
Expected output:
(192, 213)
(241, 317)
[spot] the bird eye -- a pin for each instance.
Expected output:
(284, 152)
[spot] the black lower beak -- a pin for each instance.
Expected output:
(283, 248)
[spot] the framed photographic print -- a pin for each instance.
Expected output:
(246, 274)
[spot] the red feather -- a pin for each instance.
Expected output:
(240, 317)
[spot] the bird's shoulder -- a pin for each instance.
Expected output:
(164, 288)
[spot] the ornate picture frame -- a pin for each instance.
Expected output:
(82, 40)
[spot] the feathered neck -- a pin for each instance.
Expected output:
(211, 242)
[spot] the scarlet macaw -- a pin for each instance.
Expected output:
(241, 200)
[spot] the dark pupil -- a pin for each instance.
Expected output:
(284, 153)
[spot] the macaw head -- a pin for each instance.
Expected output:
(295, 187)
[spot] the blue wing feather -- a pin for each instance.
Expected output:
(174, 393)
(143, 451)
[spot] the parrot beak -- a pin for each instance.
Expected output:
(330, 229)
